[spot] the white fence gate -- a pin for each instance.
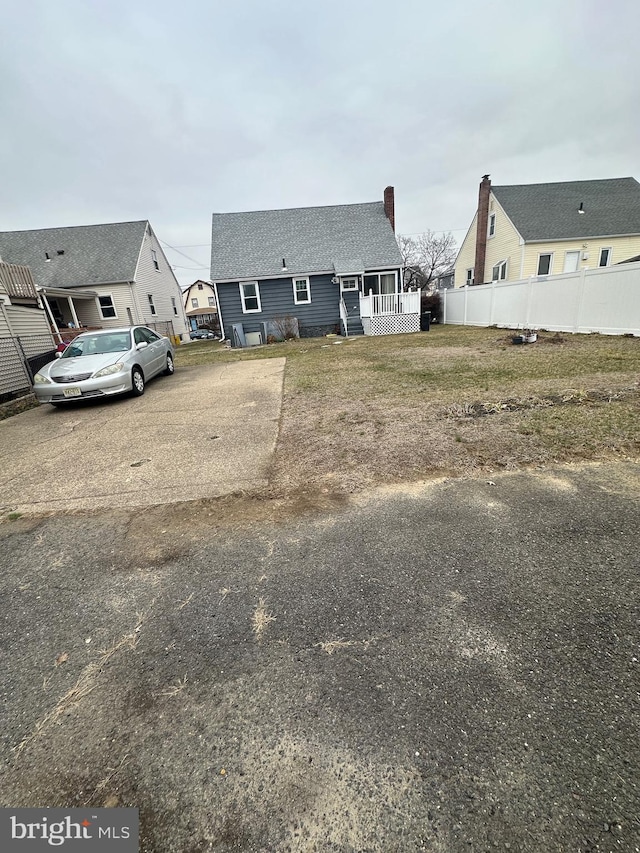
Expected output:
(605, 300)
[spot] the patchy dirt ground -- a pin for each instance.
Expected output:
(436, 667)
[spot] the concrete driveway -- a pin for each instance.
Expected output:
(204, 432)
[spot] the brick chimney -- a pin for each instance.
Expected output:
(390, 206)
(481, 233)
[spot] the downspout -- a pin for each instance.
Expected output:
(134, 302)
(219, 307)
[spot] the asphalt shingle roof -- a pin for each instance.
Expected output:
(550, 211)
(310, 239)
(93, 254)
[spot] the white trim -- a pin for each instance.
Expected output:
(257, 310)
(609, 256)
(580, 240)
(152, 305)
(297, 301)
(113, 304)
(491, 222)
(309, 273)
(540, 254)
(468, 278)
(344, 278)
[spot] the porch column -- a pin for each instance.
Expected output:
(73, 312)
(50, 313)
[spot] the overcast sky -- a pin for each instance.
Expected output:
(113, 110)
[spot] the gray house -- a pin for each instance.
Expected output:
(310, 271)
(95, 276)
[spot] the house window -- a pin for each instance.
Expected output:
(200, 287)
(605, 257)
(151, 305)
(194, 303)
(250, 296)
(349, 283)
(301, 291)
(107, 308)
(545, 263)
(499, 271)
(174, 306)
(212, 302)
(384, 282)
(492, 224)
(469, 279)
(154, 257)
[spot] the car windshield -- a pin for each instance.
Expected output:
(98, 344)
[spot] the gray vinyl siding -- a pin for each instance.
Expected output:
(27, 321)
(276, 298)
(162, 284)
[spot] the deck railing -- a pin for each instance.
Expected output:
(343, 317)
(377, 304)
(17, 281)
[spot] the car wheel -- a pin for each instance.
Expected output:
(169, 368)
(137, 382)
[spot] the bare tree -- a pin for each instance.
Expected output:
(426, 257)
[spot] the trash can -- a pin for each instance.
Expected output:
(425, 321)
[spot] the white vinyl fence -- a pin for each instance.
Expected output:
(603, 300)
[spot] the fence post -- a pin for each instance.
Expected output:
(491, 302)
(444, 307)
(527, 312)
(579, 299)
(466, 296)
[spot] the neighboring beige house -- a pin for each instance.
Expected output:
(100, 276)
(547, 229)
(200, 305)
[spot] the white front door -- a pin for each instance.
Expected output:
(571, 260)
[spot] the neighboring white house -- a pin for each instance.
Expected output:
(100, 275)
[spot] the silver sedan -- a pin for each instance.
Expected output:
(104, 363)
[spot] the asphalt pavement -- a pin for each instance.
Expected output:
(442, 667)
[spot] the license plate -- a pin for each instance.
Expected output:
(72, 392)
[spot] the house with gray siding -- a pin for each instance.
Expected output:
(100, 276)
(310, 271)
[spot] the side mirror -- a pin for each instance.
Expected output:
(58, 354)
(142, 345)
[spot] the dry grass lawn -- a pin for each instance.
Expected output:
(453, 401)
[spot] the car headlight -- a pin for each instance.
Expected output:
(107, 371)
(39, 379)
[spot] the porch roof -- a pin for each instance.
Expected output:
(64, 292)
